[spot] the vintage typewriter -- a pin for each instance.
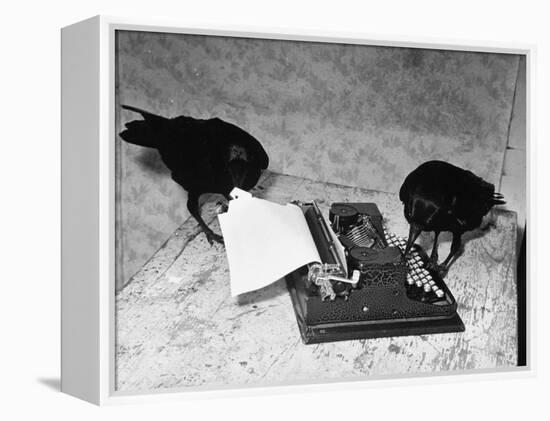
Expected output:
(367, 288)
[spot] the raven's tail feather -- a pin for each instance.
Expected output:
(146, 114)
(497, 199)
(143, 132)
(139, 132)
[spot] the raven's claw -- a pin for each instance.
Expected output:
(431, 264)
(211, 237)
(442, 270)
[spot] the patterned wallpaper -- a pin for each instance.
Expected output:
(354, 115)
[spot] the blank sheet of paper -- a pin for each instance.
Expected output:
(264, 242)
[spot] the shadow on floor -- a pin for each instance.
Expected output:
(263, 294)
(53, 383)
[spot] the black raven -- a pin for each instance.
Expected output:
(204, 156)
(439, 197)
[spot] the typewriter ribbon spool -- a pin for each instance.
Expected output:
(343, 217)
(358, 257)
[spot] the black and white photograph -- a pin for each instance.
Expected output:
(275, 210)
(294, 212)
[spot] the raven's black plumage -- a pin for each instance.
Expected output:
(438, 196)
(204, 156)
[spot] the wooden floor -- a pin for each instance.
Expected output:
(178, 326)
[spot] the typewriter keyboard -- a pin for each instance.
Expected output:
(424, 287)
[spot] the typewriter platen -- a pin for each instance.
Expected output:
(381, 294)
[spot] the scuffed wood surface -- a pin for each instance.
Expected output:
(178, 326)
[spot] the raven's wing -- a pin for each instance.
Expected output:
(474, 198)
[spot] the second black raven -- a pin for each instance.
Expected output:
(439, 196)
(204, 156)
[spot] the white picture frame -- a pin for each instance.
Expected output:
(88, 131)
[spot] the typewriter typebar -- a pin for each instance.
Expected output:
(383, 292)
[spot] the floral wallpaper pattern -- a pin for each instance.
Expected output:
(348, 114)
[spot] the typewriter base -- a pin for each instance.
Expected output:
(332, 332)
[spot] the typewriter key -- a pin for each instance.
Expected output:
(418, 284)
(439, 293)
(427, 288)
(342, 217)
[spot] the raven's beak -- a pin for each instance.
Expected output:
(414, 232)
(237, 170)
